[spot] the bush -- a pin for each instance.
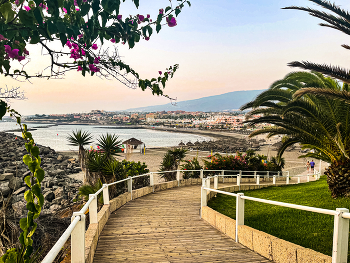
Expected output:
(191, 165)
(171, 162)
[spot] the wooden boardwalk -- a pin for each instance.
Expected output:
(165, 227)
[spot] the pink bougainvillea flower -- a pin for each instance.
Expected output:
(80, 36)
(17, 2)
(72, 38)
(148, 16)
(123, 43)
(171, 22)
(69, 44)
(97, 60)
(75, 2)
(77, 9)
(94, 46)
(20, 58)
(141, 17)
(160, 73)
(26, 52)
(84, 1)
(119, 17)
(80, 68)
(83, 52)
(161, 11)
(64, 10)
(2, 37)
(113, 40)
(27, 8)
(146, 38)
(11, 53)
(93, 68)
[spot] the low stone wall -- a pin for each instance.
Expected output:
(93, 232)
(271, 247)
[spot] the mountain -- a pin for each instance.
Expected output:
(223, 102)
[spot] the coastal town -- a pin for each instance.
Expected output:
(182, 119)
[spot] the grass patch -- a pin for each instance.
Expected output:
(307, 229)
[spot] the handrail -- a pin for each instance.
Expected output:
(91, 204)
(60, 242)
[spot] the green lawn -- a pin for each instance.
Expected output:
(304, 228)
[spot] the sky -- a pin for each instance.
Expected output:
(220, 45)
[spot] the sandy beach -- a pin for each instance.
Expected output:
(153, 156)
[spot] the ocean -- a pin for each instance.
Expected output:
(56, 136)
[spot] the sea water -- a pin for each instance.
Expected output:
(56, 136)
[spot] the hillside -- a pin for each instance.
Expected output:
(223, 102)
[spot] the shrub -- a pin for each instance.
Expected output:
(191, 165)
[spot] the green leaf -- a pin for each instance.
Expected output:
(28, 196)
(7, 12)
(26, 17)
(30, 234)
(158, 27)
(27, 180)
(85, 9)
(23, 223)
(3, 108)
(35, 38)
(41, 200)
(61, 27)
(189, 4)
(32, 166)
(63, 38)
(39, 174)
(35, 151)
(21, 236)
(95, 6)
(167, 9)
(177, 11)
(31, 208)
(27, 159)
(36, 190)
(38, 15)
(137, 3)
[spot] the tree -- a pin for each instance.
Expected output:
(316, 122)
(338, 19)
(171, 162)
(109, 144)
(82, 27)
(80, 139)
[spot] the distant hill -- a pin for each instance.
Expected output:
(224, 102)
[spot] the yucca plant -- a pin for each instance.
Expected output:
(316, 122)
(86, 190)
(109, 144)
(171, 161)
(80, 139)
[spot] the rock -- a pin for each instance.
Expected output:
(77, 169)
(15, 183)
(59, 192)
(6, 176)
(49, 196)
(20, 190)
(17, 198)
(54, 208)
(19, 208)
(4, 189)
(26, 174)
(60, 157)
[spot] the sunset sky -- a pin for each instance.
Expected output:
(221, 46)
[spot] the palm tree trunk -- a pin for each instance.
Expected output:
(338, 178)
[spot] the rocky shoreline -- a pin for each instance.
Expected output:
(58, 188)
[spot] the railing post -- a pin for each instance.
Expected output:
(274, 179)
(203, 195)
(287, 180)
(258, 179)
(201, 174)
(278, 174)
(223, 173)
(268, 175)
(208, 182)
(216, 181)
(298, 179)
(238, 180)
(78, 239)
(239, 212)
(340, 237)
(93, 209)
(178, 177)
(320, 169)
(105, 195)
(130, 186)
(151, 180)
(255, 175)
(308, 178)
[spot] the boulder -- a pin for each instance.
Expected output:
(54, 208)
(4, 189)
(6, 176)
(60, 158)
(49, 196)
(15, 183)
(59, 192)
(17, 198)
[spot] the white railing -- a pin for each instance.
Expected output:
(341, 216)
(77, 227)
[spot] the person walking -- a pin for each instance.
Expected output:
(308, 166)
(312, 165)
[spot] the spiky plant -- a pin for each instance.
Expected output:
(317, 122)
(171, 161)
(109, 144)
(86, 190)
(80, 139)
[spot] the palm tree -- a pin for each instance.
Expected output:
(171, 161)
(338, 19)
(316, 122)
(110, 144)
(80, 139)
